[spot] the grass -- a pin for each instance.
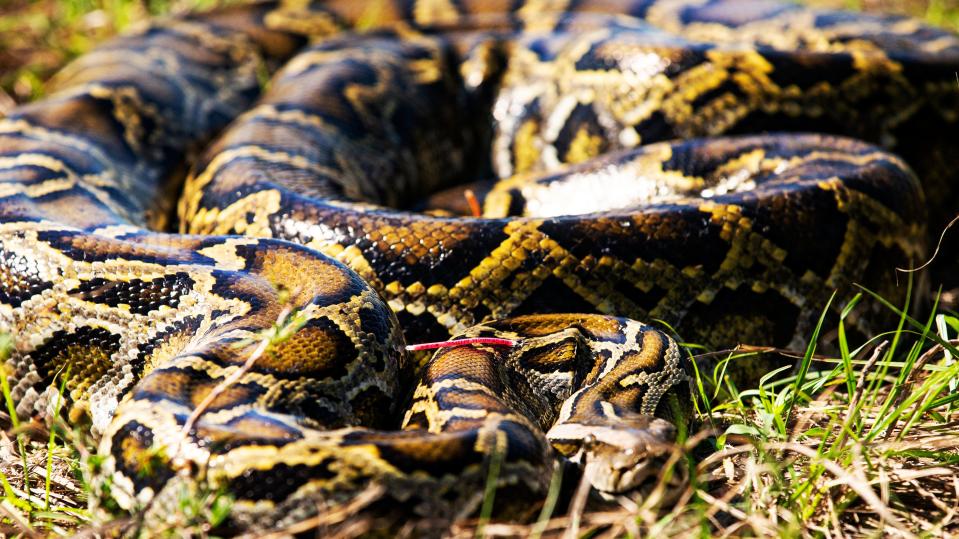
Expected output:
(938, 12)
(865, 442)
(861, 442)
(853, 444)
(38, 36)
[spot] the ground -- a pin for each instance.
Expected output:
(865, 441)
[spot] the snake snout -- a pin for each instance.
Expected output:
(617, 459)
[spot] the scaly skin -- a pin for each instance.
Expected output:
(294, 209)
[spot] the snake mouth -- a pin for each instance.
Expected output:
(617, 460)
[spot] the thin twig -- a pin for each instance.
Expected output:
(335, 515)
(233, 378)
(578, 505)
(935, 253)
(473, 203)
(917, 369)
(11, 512)
(861, 383)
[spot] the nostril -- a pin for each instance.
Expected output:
(589, 441)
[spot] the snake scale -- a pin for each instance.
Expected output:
(657, 161)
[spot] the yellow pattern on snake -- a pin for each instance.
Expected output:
(312, 202)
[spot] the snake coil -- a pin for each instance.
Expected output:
(645, 173)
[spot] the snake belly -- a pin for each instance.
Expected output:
(618, 200)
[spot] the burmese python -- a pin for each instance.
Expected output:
(735, 239)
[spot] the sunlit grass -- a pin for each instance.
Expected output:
(864, 441)
(39, 36)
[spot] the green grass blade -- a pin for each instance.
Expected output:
(807, 358)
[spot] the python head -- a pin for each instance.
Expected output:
(617, 458)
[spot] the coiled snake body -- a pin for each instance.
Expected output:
(299, 212)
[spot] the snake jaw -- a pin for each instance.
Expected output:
(618, 459)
